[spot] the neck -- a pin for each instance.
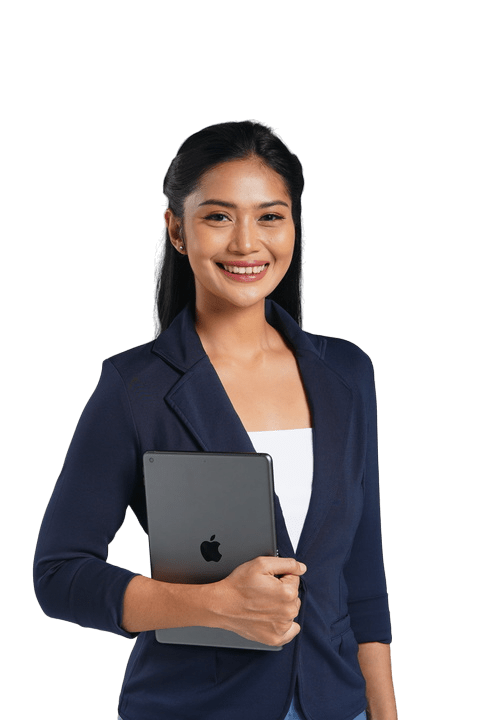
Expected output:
(234, 331)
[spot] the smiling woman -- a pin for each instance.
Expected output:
(261, 174)
(232, 371)
(241, 246)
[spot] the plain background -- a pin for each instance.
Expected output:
(380, 101)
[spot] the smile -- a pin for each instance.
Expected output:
(244, 272)
(244, 269)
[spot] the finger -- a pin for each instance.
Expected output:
(290, 585)
(281, 566)
(290, 634)
(288, 578)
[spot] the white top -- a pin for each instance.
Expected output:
(292, 455)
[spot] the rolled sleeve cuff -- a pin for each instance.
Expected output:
(370, 620)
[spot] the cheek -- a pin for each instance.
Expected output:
(286, 249)
(201, 264)
(202, 243)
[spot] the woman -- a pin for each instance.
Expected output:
(232, 371)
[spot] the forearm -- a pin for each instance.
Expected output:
(258, 600)
(151, 605)
(375, 664)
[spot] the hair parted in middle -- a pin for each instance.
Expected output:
(175, 285)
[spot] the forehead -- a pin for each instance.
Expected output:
(247, 181)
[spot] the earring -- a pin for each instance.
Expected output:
(180, 247)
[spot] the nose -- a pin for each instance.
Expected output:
(244, 239)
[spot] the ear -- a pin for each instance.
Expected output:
(175, 232)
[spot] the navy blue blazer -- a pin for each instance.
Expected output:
(166, 395)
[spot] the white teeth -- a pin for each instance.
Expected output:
(242, 269)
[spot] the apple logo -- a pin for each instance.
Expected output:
(209, 550)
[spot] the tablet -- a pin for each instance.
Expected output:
(208, 513)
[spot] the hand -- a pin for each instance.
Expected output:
(254, 603)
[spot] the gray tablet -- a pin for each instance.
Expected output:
(208, 513)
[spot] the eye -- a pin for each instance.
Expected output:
(216, 217)
(269, 217)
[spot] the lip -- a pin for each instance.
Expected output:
(244, 263)
(243, 278)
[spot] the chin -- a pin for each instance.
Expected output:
(243, 298)
(247, 300)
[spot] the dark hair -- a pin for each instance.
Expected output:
(200, 152)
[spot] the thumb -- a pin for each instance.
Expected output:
(282, 566)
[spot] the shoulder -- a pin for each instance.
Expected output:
(134, 359)
(345, 358)
(140, 372)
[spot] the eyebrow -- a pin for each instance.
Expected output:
(222, 203)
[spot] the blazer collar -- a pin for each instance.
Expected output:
(180, 344)
(199, 400)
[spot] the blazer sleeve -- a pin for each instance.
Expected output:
(72, 579)
(364, 570)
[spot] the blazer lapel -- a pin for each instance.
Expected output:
(198, 398)
(200, 401)
(331, 405)
(331, 402)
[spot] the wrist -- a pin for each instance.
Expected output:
(211, 603)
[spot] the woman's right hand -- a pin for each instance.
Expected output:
(256, 604)
(251, 601)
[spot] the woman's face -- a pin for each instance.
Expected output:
(238, 233)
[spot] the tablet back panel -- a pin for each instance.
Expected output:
(207, 514)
